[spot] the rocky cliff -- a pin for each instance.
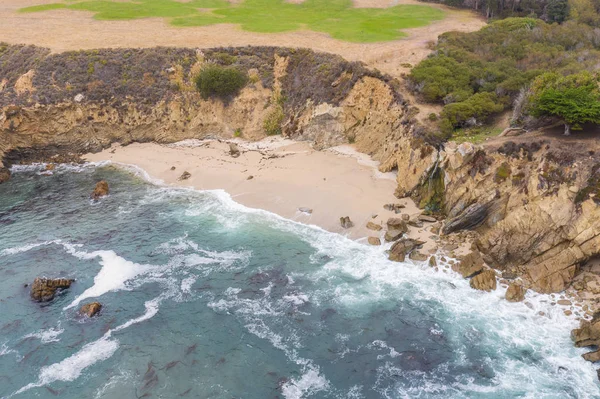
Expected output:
(532, 201)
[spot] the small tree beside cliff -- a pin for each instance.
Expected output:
(574, 98)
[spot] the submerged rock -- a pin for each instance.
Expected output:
(44, 289)
(515, 293)
(90, 309)
(484, 281)
(101, 190)
(305, 210)
(346, 222)
(4, 175)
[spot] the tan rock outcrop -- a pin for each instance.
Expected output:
(515, 293)
(484, 281)
(91, 309)
(44, 289)
(4, 175)
(101, 190)
(470, 264)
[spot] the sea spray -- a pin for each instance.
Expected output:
(270, 306)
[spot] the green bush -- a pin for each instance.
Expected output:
(273, 121)
(218, 81)
(479, 107)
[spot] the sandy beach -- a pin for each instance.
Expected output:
(280, 176)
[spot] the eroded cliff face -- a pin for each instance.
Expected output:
(533, 204)
(532, 201)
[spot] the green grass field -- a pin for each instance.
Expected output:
(338, 18)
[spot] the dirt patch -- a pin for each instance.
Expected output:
(62, 30)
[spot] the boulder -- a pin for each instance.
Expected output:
(397, 224)
(4, 175)
(416, 255)
(470, 264)
(374, 241)
(592, 356)
(588, 333)
(50, 167)
(185, 175)
(90, 309)
(374, 226)
(432, 261)
(345, 222)
(427, 218)
(484, 281)
(393, 235)
(401, 248)
(101, 190)
(515, 293)
(415, 222)
(44, 289)
(234, 151)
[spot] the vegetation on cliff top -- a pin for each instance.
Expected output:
(476, 75)
(338, 18)
(223, 82)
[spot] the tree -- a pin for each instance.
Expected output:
(558, 11)
(574, 98)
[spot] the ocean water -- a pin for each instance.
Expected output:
(204, 298)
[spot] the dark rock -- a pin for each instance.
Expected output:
(173, 168)
(470, 265)
(515, 293)
(185, 175)
(484, 281)
(473, 216)
(90, 309)
(250, 177)
(101, 190)
(346, 222)
(509, 275)
(432, 261)
(44, 289)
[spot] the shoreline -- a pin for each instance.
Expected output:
(284, 177)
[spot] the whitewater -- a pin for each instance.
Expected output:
(205, 298)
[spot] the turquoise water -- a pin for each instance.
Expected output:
(204, 298)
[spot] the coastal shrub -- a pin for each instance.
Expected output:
(218, 81)
(273, 121)
(502, 173)
(500, 61)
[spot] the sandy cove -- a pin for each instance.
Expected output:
(280, 176)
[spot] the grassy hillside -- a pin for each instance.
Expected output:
(337, 18)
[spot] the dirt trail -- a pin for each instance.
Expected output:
(63, 30)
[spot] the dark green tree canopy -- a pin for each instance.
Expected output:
(573, 98)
